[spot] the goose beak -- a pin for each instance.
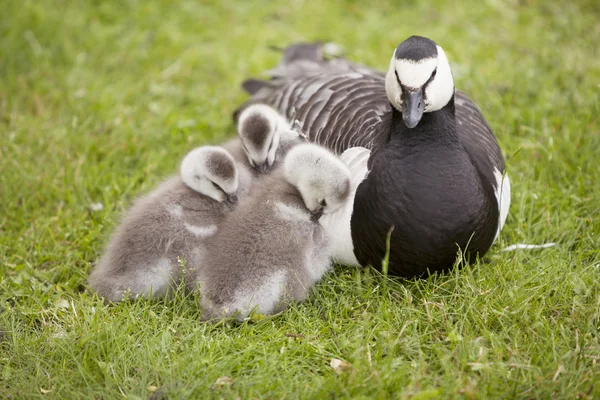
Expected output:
(412, 107)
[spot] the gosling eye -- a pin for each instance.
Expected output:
(271, 146)
(217, 187)
(323, 203)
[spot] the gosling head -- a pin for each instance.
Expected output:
(419, 79)
(211, 171)
(322, 179)
(260, 129)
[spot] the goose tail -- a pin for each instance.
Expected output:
(303, 58)
(298, 59)
(251, 86)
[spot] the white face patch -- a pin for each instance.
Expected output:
(441, 88)
(392, 89)
(415, 74)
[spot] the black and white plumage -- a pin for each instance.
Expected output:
(272, 249)
(436, 170)
(170, 224)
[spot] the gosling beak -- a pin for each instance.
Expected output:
(231, 199)
(316, 215)
(412, 107)
(263, 168)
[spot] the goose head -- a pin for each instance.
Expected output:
(322, 179)
(261, 129)
(211, 171)
(419, 79)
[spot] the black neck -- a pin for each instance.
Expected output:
(432, 124)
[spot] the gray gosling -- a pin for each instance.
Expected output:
(168, 225)
(272, 249)
(264, 138)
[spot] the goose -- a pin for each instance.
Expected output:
(272, 249)
(169, 224)
(264, 138)
(436, 181)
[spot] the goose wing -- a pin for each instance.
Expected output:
(341, 104)
(477, 137)
(481, 145)
(337, 109)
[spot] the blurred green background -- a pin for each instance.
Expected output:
(99, 100)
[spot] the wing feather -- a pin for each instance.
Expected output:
(341, 104)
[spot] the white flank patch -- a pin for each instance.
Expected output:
(503, 197)
(175, 210)
(523, 246)
(194, 260)
(317, 260)
(201, 231)
(290, 213)
(414, 74)
(155, 280)
(264, 297)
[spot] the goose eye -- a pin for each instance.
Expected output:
(433, 73)
(323, 203)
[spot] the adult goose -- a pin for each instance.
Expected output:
(436, 180)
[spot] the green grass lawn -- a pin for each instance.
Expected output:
(99, 101)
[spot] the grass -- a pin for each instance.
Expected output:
(100, 100)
